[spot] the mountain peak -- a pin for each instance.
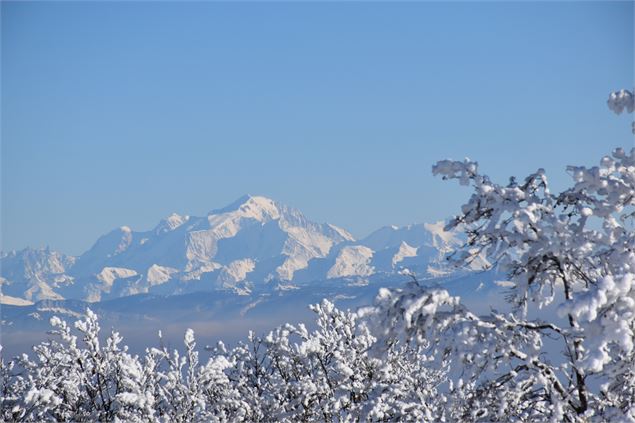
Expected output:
(246, 201)
(170, 223)
(259, 208)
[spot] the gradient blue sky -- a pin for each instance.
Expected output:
(121, 113)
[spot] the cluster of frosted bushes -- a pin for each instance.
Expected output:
(290, 375)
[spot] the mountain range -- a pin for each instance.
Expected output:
(253, 245)
(250, 266)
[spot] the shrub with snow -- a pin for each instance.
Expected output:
(573, 251)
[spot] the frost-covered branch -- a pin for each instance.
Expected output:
(574, 251)
(622, 100)
(290, 375)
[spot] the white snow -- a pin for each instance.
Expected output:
(404, 251)
(352, 261)
(109, 274)
(441, 238)
(235, 272)
(199, 271)
(158, 275)
(260, 209)
(9, 300)
(621, 100)
(303, 244)
(202, 245)
(171, 223)
(293, 263)
(126, 240)
(343, 233)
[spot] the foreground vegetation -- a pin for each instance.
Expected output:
(417, 353)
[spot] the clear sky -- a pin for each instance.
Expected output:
(121, 113)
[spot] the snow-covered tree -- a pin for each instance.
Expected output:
(289, 375)
(575, 248)
(328, 375)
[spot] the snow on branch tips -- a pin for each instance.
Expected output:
(622, 100)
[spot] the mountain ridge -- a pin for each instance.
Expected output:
(252, 244)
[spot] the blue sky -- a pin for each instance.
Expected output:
(121, 113)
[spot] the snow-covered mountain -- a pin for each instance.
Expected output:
(253, 245)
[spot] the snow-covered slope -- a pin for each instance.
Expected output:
(33, 274)
(352, 261)
(253, 245)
